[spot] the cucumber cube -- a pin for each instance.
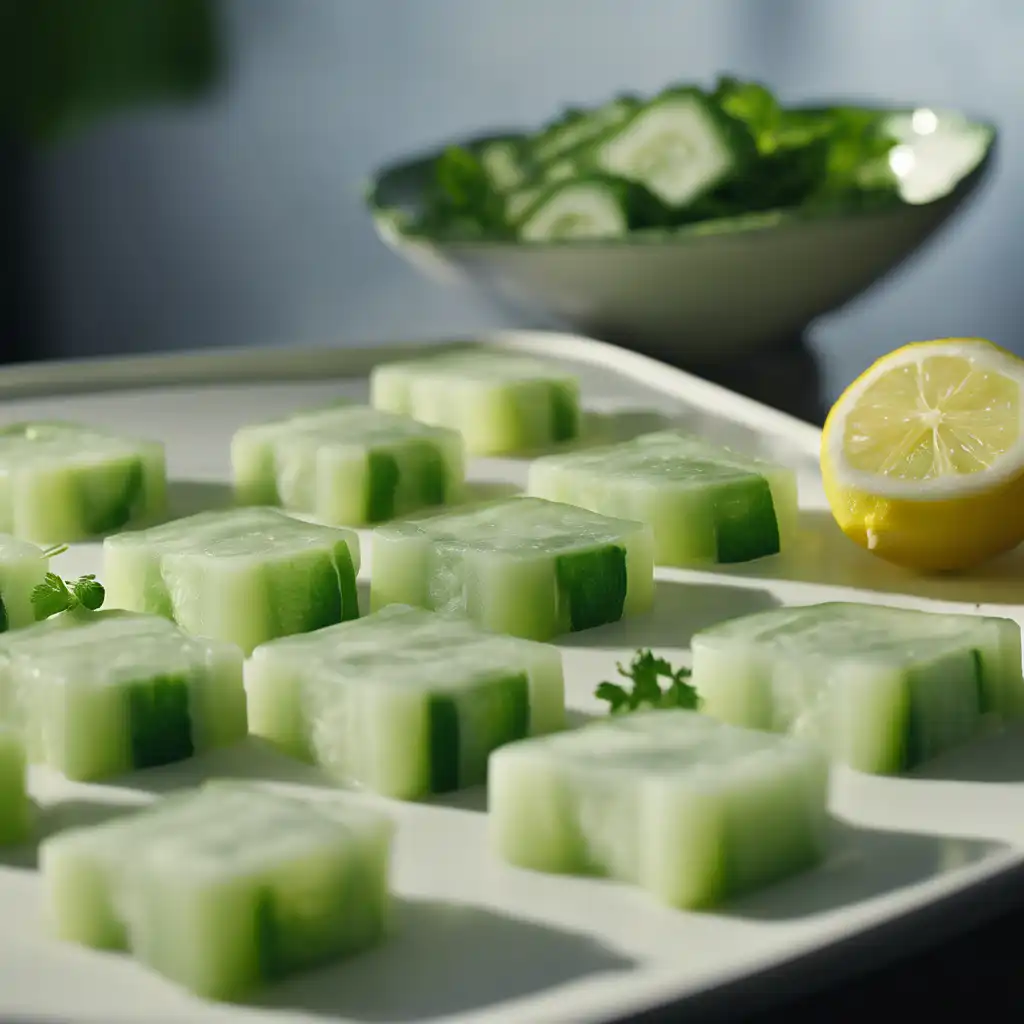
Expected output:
(404, 702)
(348, 465)
(60, 482)
(499, 403)
(881, 689)
(690, 809)
(23, 567)
(224, 888)
(15, 815)
(96, 694)
(705, 504)
(524, 566)
(243, 575)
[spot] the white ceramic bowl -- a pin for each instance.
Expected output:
(717, 288)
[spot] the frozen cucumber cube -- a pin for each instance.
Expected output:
(706, 504)
(499, 403)
(348, 465)
(404, 702)
(524, 566)
(14, 803)
(688, 808)
(224, 888)
(881, 689)
(60, 482)
(96, 694)
(243, 575)
(23, 567)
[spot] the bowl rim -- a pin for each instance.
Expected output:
(389, 219)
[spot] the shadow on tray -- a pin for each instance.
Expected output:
(601, 428)
(445, 960)
(475, 798)
(58, 817)
(680, 610)
(862, 864)
(253, 759)
(993, 759)
(187, 497)
(824, 555)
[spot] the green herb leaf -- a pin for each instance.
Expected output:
(645, 672)
(51, 597)
(54, 595)
(755, 106)
(52, 552)
(88, 592)
(614, 694)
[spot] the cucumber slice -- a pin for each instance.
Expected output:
(226, 888)
(575, 210)
(881, 689)
(581, 127)
(102, 693)
(524, 199)
(705, 504)
(403, 702)
(22, 568)
(15, 808)
(524, 566)
(243, 575)
(60, 482)
(504, 165)
(348, 465)
(520, 202)
(680, 147)
(500, 404)
(689, 809)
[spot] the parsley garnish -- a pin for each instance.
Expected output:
(645, 671)
(56, 595)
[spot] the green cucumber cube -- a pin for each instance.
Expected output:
(225, 888)
(880, 689)
(15, 812)
(348, 465)
(404, 702)
(96, 694)
(243, 575)
(523, 566)
(692, 810)
(60, 482)
(706, 504)
(499, 403)
(23, 567)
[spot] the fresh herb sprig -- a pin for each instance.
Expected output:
(55, 595)
(645, 672)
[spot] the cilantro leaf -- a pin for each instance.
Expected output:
(51, 597)
(616, 695)
(54, 595)
(645, 672)
(88, 592)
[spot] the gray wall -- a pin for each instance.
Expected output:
(241, 221)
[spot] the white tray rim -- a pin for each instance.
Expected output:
(256, 365)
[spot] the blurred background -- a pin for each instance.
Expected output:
(182, 174)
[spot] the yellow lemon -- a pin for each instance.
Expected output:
(922, 456)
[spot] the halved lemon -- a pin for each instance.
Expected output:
(923, 455)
